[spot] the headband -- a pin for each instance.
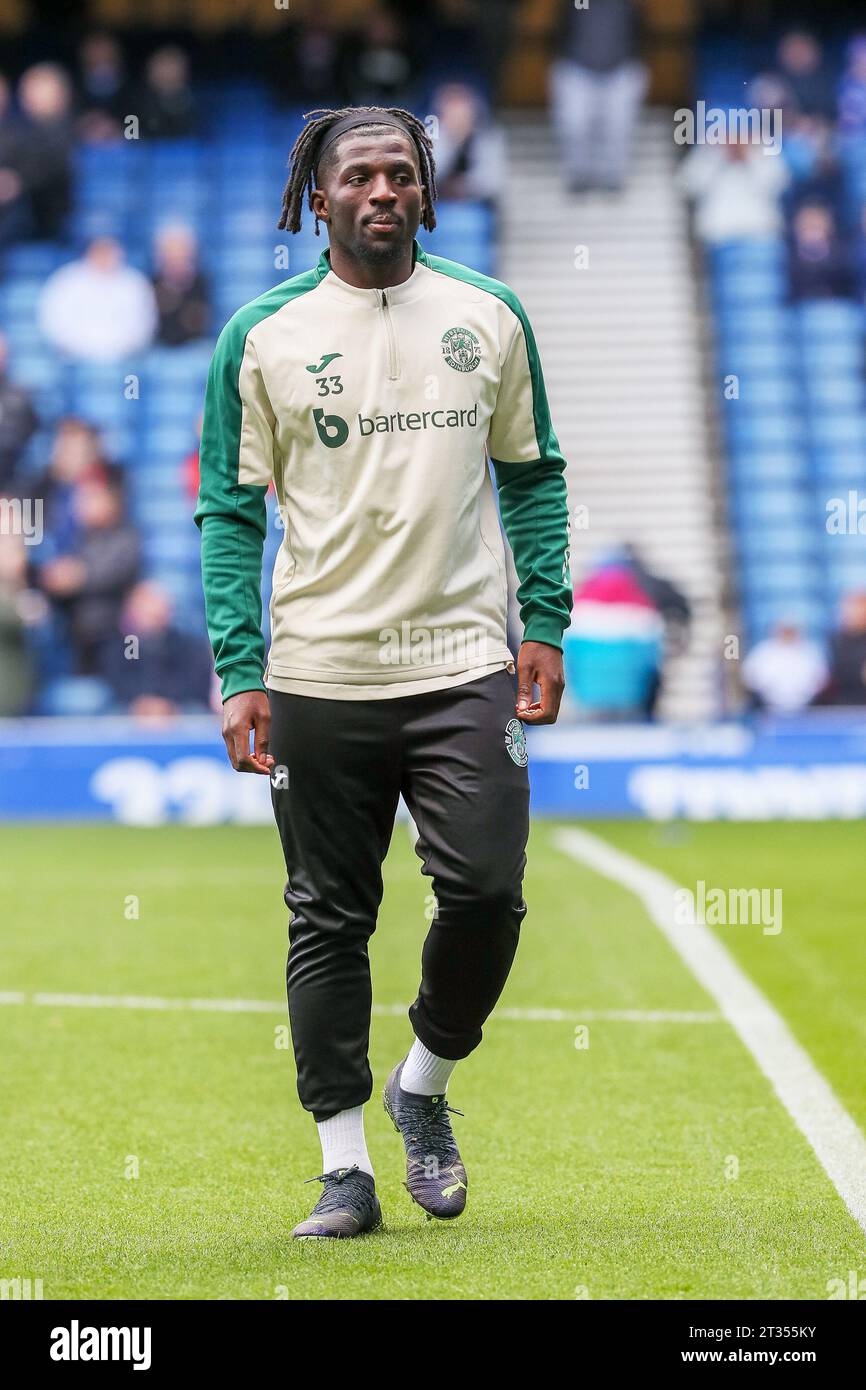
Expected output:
(350, 122)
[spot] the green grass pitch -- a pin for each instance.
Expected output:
(161, 1153)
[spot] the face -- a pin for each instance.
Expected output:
(96, 506)
(176, 249)
(104, 254)
(371, 196)
(799, 53)
(167, 70)
(44, 92)
(813, 224)
(854, 613)
(75, 451)
(148, 609)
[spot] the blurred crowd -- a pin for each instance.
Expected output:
(629, 620)
(790, 188)
(79, 604)
(743, 192)
(83, 591)
(84, 625)
(86, 589)
(50, 109)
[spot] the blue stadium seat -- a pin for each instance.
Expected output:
(768, 465)
(829, 319)
(841, 464)
(750, 430)
(831, 429)
(841, 391)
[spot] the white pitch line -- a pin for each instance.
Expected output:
(808, 1098)
(167, 1004)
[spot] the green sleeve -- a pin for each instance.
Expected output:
(533, 498)
(231, 513)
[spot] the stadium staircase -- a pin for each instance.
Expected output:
(623, 352)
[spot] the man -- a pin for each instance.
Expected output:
(180, 287)
(98, 308)
(786, 671)
(169, 671)
(368, 388)
(596, 88)
(18, 421)
(88, 584)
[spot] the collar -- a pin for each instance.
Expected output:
(406, 291)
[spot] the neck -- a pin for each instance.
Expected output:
(367, 275)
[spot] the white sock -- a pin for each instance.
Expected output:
(343, 1142)
(425, 1073)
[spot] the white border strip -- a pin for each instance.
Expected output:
(809, 1100)
(168, 1004)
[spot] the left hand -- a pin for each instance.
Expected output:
(540, 664)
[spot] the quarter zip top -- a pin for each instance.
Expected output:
(393, 357)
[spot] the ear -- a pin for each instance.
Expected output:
(319, 204)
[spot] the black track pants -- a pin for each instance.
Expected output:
(347, 762)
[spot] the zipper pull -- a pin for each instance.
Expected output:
(384, 300)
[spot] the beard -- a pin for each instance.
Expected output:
(382, 252)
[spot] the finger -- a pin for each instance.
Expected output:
(228, 740)
(238, 743)
(545, 709)
(524, 690)
(262, 726)
(250, 764)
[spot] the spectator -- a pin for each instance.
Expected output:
(495, 27)
(596, 87)
(302, 62)
(786, 671)
(470, 149)
(181, 289)
(381, 69)
(819, 264)
(88, 585)
(613, 648)
(848, 654)
(852, 89)
(45, 98)
(170, 671)
(675, 611)
(15, 222)
(810, 156)
(105, 93)
(800, 66)
(736, 188)
(76, 457)
(98, 308)
(165, 105)
(19, 608)
(18, 421)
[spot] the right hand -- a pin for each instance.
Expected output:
(241, 713)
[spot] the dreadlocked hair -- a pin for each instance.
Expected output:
(303, 157)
